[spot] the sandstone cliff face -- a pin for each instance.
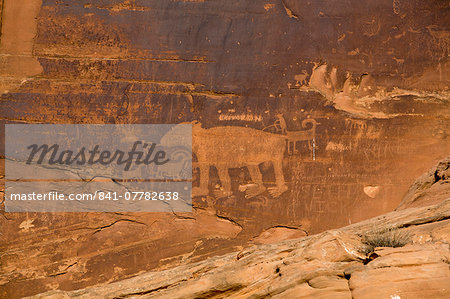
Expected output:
(373, 75)
(430, 188)
(333, 264)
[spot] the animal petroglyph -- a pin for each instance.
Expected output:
(293, 137)
(229, 147)
(306, 135)
(232, 147)
(301, 78)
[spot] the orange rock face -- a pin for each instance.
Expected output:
(430, 188)
(333, 264)
(307, 116)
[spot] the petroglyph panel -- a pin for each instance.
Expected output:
(310, 114)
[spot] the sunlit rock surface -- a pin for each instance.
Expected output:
(338, 106)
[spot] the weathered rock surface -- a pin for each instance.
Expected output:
(373, 75)
(332, 264)
(430, 188)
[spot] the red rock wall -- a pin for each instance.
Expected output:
(374, 75)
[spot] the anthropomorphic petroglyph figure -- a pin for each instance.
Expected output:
(280, 124)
